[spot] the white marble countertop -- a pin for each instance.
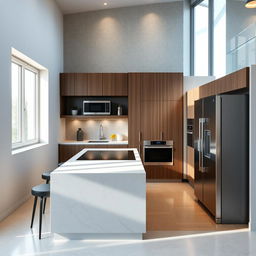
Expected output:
(86, 142)
(102, 166)
(99, 199)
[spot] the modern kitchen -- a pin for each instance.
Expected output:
(130, 128)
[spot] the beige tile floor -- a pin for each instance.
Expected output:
(173, 207)
(16, 238)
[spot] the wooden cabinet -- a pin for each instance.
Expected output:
(94, 83)
(192, 96)
(81, 84)
(134, 114)
(115, 84)
(156, 116)
(190, 164)
(150, 120)
(68, 151)
(67, 84)
(162, 86)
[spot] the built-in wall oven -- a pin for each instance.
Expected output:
(158, 152)
(96, 107)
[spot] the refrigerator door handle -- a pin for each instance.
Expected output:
(201, 145)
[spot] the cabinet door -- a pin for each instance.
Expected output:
(171, 113)
(81, 87)
(68, 151)
(170, 85)
(115, 84)
(134, 114)
(162, 86)
(67, 84)
(150, 120)
(94, 82)
(149, 87)
(172, 129)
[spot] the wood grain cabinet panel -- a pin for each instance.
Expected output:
(94, 83)
(150, 89)
(81, 84)
(115, 84)
(162, 86)
(134, 113)
(150, 120)
(67, 84)
(171, 86)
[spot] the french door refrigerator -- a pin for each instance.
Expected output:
(222, 157)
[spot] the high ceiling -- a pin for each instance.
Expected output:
(75, 6)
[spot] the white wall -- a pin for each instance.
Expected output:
(134, 39)
(35, 28)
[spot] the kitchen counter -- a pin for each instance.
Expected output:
(99, 199)
(86, 142)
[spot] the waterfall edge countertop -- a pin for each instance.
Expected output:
(99, 198)
(86, 142)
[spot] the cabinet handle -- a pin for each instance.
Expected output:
(139, 140)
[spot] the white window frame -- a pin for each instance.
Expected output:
(24, 141)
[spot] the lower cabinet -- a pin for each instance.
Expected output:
(162, 172)
(68, 151)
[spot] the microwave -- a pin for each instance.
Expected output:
(100, 107)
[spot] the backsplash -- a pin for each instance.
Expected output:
(91, 128)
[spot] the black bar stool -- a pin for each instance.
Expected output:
(42, 191)
(47, 177)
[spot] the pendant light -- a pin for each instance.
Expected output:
(250, 4)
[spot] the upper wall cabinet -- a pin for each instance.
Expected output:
(81, 84)
(161, 86)
(67, 84)
(115, 84)
(94, 84)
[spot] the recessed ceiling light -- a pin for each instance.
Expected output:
(250, 4)
(105, 4)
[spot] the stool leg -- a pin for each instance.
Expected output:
(44, 205)
(40, 217)
(47, 182)
(33, 213)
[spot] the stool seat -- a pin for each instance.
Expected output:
(46, 175)
(42, 190)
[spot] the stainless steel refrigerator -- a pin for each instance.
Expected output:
(221, 131)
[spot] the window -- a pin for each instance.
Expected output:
(25, 104)
(201, 38)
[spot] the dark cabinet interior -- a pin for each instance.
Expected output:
(69, 103)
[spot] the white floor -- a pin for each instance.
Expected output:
(16, 238)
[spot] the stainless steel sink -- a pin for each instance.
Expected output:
(98, 141)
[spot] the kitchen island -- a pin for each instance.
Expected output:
(99, 194)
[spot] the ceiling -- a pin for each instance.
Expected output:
(75, 6)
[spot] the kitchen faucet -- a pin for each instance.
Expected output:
(101, 133)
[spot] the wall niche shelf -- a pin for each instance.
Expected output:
(81, 117)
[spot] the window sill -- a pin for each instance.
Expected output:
(27, 148)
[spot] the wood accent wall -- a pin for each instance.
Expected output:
(232, 82)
